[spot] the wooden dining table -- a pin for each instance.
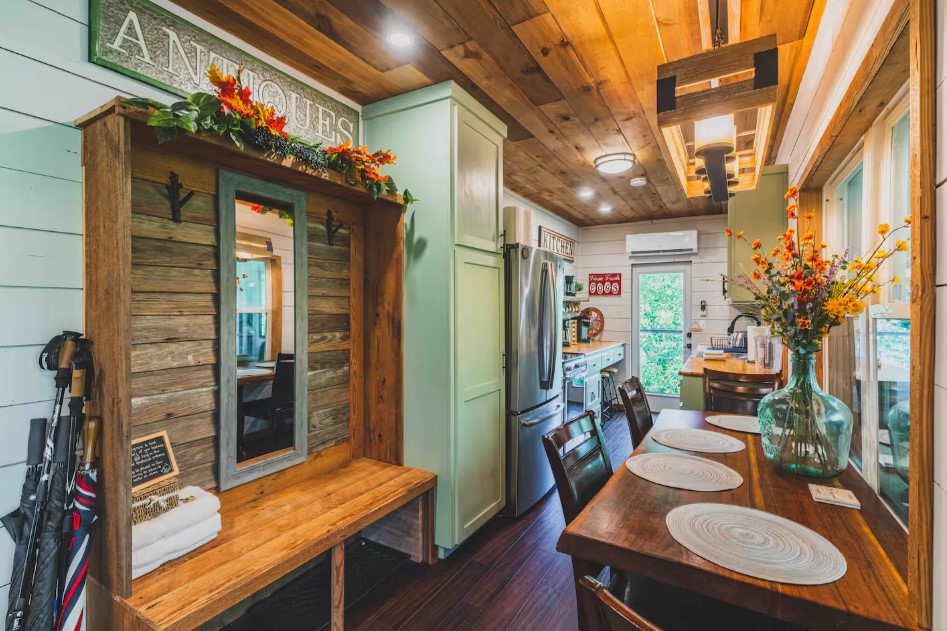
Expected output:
(624, 527)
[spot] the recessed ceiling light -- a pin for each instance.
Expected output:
(400, 39)
(638, 181)
(615, 162)
(586, 193)
(605, 208)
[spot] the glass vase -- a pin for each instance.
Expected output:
(805, 431)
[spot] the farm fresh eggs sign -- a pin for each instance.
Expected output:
(605, 284)
(146, 42)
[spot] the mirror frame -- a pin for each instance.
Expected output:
(232, 186)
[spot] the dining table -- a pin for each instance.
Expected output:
(624, 527)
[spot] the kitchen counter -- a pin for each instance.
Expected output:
(695, 365)
(587, 348)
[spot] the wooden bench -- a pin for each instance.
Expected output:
(276, 524)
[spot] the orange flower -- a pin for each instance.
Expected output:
(802, 323)
(810, 215)
(729, 232)
(774, 252)
(740, 235)
(792, 193)
(757, 275)
(756, 245)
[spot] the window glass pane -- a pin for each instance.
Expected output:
(892, 340)
(900, 157)
(251, 284)
(661, 331)
(251, 337)
(850, 207)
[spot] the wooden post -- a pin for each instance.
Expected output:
(338, 587)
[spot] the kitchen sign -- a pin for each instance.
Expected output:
(148, 43)
(557, 243)
(605, 284)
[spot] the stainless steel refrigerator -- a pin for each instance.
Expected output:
(534, 291)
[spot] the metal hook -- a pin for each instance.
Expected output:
(331, 228)
(174, 199)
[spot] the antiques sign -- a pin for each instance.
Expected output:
(605, 284)
(146, 42)
(557, 243)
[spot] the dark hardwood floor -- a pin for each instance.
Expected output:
(507, 576)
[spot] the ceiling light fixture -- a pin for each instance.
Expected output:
(400, 39)
(638, 182)
(586, 193)
(605, 208)
(612, 163)
(714, 141)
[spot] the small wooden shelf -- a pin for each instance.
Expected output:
(582, 298)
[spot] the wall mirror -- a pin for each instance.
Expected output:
(263, 328)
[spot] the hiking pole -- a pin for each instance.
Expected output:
(58, 352)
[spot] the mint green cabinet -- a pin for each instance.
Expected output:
(760, 214)
(692, 392)
(450, 155)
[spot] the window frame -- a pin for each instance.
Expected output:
(273, 301)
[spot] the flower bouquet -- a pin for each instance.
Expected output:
(802, 293)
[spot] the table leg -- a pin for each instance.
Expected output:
(338, 587)
(586, 610)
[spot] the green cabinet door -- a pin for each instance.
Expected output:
(760, 214)
(480, 447)
(692, 393)
(479, 181)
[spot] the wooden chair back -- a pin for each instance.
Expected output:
(579, 459)
(283, 392)
(737, 393)
(637, 410)
(605, 612)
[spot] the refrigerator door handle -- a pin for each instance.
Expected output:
(547, 353)
(556, 410)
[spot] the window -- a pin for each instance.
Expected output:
(257, 315)
(869, 357)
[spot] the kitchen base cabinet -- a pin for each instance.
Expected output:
(450, 148)
(692, 393)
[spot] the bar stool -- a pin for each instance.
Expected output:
(610, 400)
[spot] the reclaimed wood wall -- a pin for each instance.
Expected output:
(174, 309)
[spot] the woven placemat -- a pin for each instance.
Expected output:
(736, 422)
(755, 543)
(683, 471)
(701, 440)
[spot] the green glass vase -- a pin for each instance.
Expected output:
(805, 431)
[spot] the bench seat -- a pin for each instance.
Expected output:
(271, 527)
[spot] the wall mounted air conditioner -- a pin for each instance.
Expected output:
(661, 243)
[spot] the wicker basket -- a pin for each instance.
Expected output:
(155, 500)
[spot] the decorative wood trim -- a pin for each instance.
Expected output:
(923, 113)
(716, 63)
(229, 185)
(357, 355)
(106, 145)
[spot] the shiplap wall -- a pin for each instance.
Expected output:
(542, 217)
(47, 83)
(602, 250)
(940, 373)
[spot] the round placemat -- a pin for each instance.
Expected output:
(755, 543)
(698, 440)
(736, 422)
(683, 471)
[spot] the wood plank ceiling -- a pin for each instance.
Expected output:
(573, 79)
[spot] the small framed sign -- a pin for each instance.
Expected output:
(605, 284)
(152, 460)
(557, 243)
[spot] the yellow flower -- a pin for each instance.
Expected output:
(880, 254)
(824, 245)
(896, 280)
(883, 229)
(907, 221)
(901, 245)
(740, 235)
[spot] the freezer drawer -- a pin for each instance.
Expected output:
(530, 474)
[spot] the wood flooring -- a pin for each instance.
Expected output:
(507, 576)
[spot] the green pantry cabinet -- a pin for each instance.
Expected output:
(450, 156)
(761, 214)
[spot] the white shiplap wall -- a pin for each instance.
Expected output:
(47, 82)
(940, 373)
(602, 250)
(542, 217)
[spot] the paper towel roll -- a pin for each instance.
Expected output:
(752, 332)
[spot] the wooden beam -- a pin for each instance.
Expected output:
(727, 99)
(923, 252)
(716, 63)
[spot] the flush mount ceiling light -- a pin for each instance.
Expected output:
(638, 182)
(612, 163)
(586, 193)
(605, 208)
(706, 122)
(400, 38)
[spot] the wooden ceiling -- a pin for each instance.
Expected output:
(573, 79)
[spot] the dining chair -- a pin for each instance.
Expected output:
(737, 393)
(637, 410)
(606, 612)
(579, 460)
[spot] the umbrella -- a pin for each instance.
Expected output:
(84, 515)
(19, 522)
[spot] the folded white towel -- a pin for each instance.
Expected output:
(144, 569)
(186, 514)
(171, 547)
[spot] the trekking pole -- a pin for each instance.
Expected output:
(59, 355)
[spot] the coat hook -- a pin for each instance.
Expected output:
(331, 228)
(174, 197)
